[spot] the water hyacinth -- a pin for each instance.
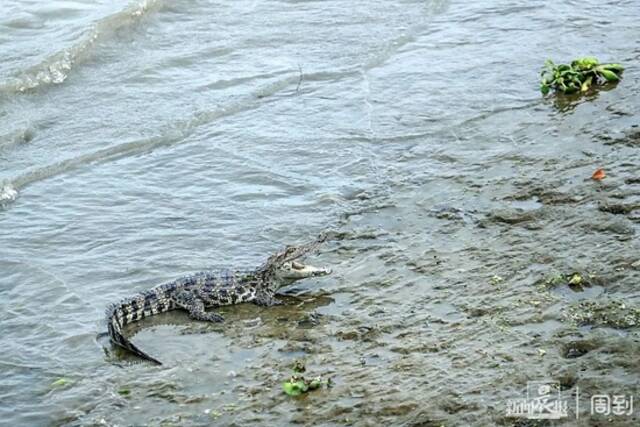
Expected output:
(298, 385)
(579, 76)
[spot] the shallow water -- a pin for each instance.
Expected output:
(143, 141)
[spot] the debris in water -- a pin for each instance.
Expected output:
(213, 413)
(554, 280)
(496, 280)
(614, 313)
(61, 382)
(576, 279)
(598, 174)
(299, 367)
(7, 193)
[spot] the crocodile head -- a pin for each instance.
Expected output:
(285, 267)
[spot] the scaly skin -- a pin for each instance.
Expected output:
(211, 289)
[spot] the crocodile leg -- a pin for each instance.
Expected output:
(195, 306)
(266, 299)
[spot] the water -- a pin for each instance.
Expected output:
(142, 141)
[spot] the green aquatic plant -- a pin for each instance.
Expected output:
(298, 385)
(578, 76)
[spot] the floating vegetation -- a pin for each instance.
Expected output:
(579, 76)
(298, 385)
(576, 281)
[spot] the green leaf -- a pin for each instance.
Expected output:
(576, 279)
(291, 389)
(609, 75)
(613, 67)
(569, 73)
(585, 63)
(544, 89)
(295, 388)
(124, 392)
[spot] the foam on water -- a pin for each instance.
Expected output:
(7, 194)
(55, 69)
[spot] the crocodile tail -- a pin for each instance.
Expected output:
(115, 323)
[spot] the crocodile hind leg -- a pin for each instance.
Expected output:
(195, 306)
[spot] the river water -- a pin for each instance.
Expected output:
(141, 141)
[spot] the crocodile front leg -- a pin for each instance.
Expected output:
(195, 306)
(266, 299)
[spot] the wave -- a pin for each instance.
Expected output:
(56, 68)
(181, 130)
(172, 136)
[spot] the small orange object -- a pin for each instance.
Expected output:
(598, 174)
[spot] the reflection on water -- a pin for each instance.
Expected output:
(568, 103)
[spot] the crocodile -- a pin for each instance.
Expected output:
(208, 289)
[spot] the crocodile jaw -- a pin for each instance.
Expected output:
(293, 271)
(309, 270)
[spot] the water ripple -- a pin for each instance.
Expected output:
(55, 69)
